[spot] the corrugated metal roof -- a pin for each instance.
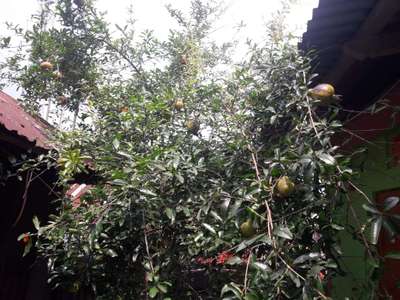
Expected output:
(333, 23)
(14, 118)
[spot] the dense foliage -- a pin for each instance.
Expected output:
(212, 179)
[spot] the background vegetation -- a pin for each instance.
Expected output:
(214, 179)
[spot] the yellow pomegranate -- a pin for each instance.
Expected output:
(46, 65)
(193, 126)
(247, 229)
(324, 94)
(62, 100)
(178, 104)
(322, 91)
(285, 186)
(57, 75)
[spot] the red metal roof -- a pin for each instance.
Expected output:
(14, 118)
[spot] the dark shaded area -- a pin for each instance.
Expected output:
(24, 195)
(366, 81)
(357, 48)
(333, 23)
(22, 277)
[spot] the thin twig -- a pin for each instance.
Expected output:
(313, 124)
(357, 136)
(24, 197)
(147, 251)
(361, 192)
(301, 277)
(338, 168)
(39, 174)
(270, 225)
(246, 274)
(147, 245)
(126, 58)
(192, 289)
(51, 189)
(366, 244)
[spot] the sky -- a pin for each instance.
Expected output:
(152, 14)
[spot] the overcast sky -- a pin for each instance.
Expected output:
(152, 13)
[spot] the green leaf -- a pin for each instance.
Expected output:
(170, 214)
(124, 154)
(36, 223)
(390, 203)
(116, 143)
(235, 260)
(372, 262)
(251, 296)
(327, 158)
(27, 248)
(233, 288)
(148, 192)
(390, 228)
(21, 236)
(295, 278)
(180, 178)
(111, 253)
(258, 238)
(209, 228)
(331, 265)
(371, 209)
(162, 288)
(393, 255)
(375, 230)
(337, 227)
(283, 232)
(306, 257)
(153, 292)
(216, 216)
(118, 182)
(261, 266)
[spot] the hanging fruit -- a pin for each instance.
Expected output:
(323, 90)
(324, 93)
(284, 186)
(62, 100)
(193, 126)
(57, 75)
(46, 65)
(178, 104)
(247, 229)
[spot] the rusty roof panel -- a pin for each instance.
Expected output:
(14, 118)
